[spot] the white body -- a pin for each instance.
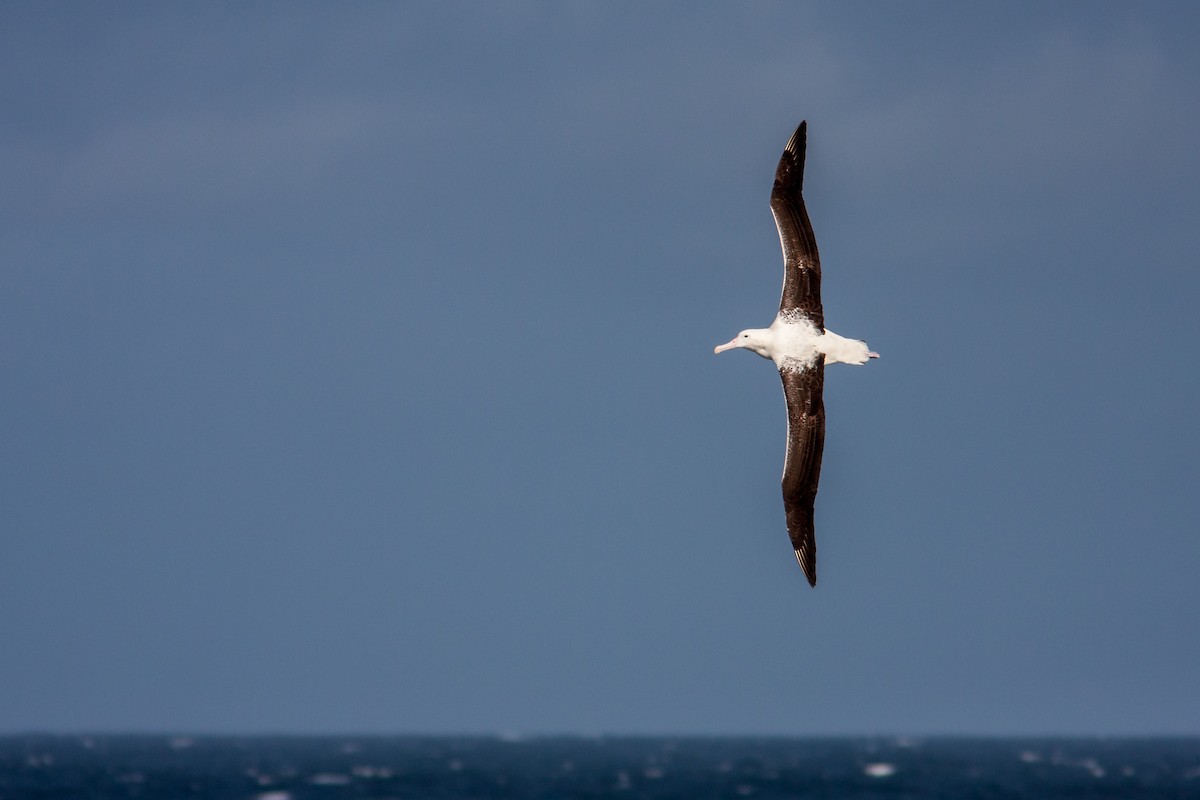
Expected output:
(793, 342)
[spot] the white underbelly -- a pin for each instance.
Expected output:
(797, 344)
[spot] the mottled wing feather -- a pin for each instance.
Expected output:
(803, 390)
(801, 263)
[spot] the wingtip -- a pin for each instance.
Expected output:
(810, 569)
(790, 172)
(796, 143)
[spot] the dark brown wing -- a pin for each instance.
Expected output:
(802, 468)
(801, 264)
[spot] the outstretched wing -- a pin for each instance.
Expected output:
(803, 391)
(801, 264)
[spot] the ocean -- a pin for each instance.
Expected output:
(559, 768)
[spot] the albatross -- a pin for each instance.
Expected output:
(801, 347)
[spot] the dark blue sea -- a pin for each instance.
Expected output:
(559, 768)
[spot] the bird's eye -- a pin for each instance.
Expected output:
(745, 336)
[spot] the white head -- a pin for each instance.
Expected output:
(756, 340)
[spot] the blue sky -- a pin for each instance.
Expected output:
(356, 368)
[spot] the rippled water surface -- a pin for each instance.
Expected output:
(331, 768)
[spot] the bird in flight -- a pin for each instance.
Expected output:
(799, 344)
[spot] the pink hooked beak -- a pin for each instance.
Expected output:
(727, 346)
